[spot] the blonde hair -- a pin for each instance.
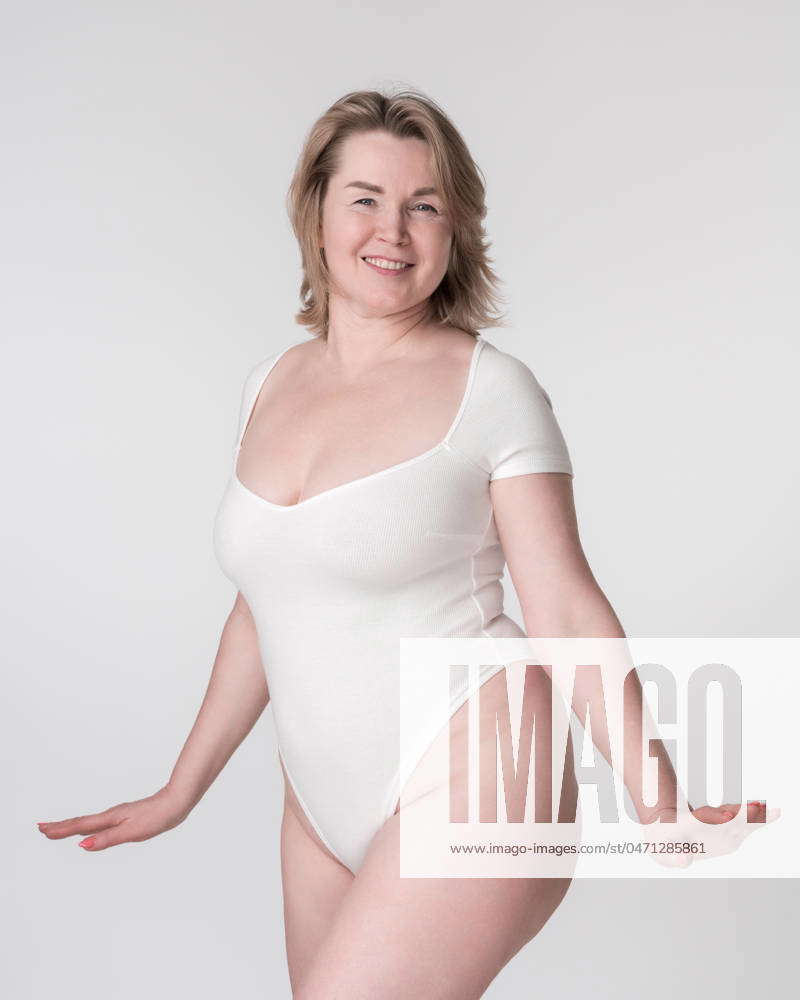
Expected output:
(467, 293)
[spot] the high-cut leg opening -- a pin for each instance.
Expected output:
(432, 733)
(307, 813)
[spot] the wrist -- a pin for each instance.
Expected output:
(181, 799)
(664, 814)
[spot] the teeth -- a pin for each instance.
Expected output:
(387, 264)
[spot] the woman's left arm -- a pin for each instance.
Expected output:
(559, 597)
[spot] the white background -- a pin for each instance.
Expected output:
(638, 158)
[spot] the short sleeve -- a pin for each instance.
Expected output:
(249, 392)
(529, 438)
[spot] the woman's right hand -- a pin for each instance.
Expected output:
(124, 823)
(237, 694)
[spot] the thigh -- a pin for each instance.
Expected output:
(314, 885)
(438, 938)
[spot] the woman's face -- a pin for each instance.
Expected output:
(381, 203)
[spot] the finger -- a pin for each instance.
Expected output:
(78, 825)
(765, 817)
(715, 815)
(110, 837)
(755, 813)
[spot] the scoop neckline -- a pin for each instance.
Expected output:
(473, 365)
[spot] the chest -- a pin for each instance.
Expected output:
(397, 531)
(306, 437)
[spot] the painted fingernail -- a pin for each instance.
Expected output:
(88, 842)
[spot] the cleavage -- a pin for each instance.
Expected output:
(294, 451)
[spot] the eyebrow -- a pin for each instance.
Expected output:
(379, 190)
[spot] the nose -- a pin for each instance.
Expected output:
(391, 227)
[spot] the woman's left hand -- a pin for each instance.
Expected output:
(722, 831)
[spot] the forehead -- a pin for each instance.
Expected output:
(383, 160)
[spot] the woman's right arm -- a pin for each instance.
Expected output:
(236, 696)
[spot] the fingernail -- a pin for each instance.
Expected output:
(88, 842)
(41, 824)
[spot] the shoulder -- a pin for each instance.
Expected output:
(508, 427)
(508, 376)
(257, 372)
(255, 378)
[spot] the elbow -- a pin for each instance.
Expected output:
(583, 612)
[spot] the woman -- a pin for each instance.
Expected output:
(376, 469)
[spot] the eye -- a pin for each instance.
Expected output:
(422, 204)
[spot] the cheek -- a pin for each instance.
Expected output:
(437, 244)
(437, 253)
(349, 234)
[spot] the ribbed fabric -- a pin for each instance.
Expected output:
(335, 581)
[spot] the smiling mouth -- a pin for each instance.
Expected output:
(385, 264)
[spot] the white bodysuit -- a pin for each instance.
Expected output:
(333, 581)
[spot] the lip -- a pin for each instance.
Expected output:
(385, 271)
